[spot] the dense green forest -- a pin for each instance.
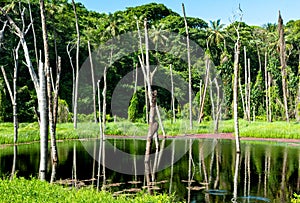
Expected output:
(218, 40)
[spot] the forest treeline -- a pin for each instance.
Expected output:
(261, 91)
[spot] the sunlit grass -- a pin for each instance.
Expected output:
(27, 191)
(29, 132)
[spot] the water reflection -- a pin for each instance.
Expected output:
(265, 171)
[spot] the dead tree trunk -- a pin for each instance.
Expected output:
(104, 98)
(34, 36)
(13, 93)
(77, 66)
(189, 66)
(153, 126)
(245, 100)
(283, 65)
(269, 95)
(40, 87)
(266, 86)
(142, 62)
(49, 84)
(235, 91)
(44, 124)
(172, 94)
(93, 82)
(202, 100)
(249, 92)
(298, 94)
(55, 108)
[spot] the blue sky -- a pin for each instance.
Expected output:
(256, 12)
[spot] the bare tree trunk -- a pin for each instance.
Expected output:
(49, 84)
(160, 122)
(172, 95)
(99, 109)
(172, 168)
(74, 168)
(40, 87)
(258, 56)
(202, 101)
(69, 49)
(283, 177)
(93, 82)
(283, 65)
(142, 62)
(153, 126)
(13, 96)
(298, 181)
(54, 113)
(13, 169)
(43, 122)
(53, 172)
(104, 98)
(217, 167)
(235, 92)
(34, 36)
(266, 87)
(269, 95)
(236, 176)
(298, 94)
(219, 107)
(190, 170)
(136, 77)
(246, 85)
(243, 98)
(249, 92)
(15, 107)
(77, 65)
(298, 104)
(99, 162)
(189, 66)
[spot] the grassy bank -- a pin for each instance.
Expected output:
(29, 132)
(22, 190)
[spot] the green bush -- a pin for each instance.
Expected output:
(133, 110)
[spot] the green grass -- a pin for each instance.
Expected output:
(22, 190)
(29, 132)
(296, 198)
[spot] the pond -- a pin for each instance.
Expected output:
(203, 171)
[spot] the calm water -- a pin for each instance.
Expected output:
(267, 172)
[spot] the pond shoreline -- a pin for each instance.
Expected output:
(229, 136)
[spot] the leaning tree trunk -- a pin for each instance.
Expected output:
(13, 95)
(283, 65)
(189, 66)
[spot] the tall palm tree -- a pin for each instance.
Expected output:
(114, 27)
(216, 34)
